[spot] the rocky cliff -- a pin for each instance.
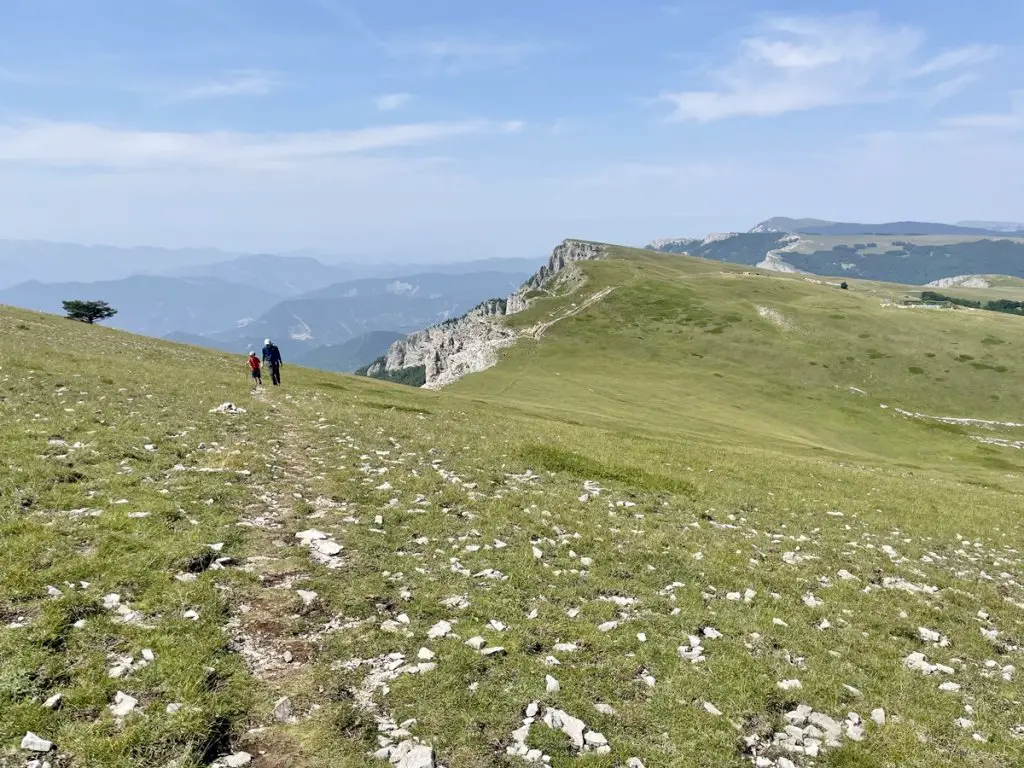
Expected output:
(444, 353)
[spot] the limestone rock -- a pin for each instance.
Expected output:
(34, 743)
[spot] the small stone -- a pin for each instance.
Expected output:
(237, 760)
(476, 643)
(790, 685)
(878, 716)
(123, 705)
(425, 654)
(711, 709)
(641, 636)
(306, 596)
(148, 654)
(949, 687)
(635, 762)
(441, 629)
(605, 709)
(532, 709)
(329, 548)
(852, 691)
(552, 685)
(191, 615)
(283, 710)
(288, 657)
(54, 701)
(173, 709)
(608, 626)
(594, 739)
(34, 743)
(496, 651)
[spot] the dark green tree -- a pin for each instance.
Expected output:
(88, 311)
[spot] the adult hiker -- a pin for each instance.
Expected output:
(254, 366)
(272, 356)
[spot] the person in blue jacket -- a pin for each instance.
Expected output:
(272, 356)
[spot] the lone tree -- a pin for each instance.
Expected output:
(89, 311)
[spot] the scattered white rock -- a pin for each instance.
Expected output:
(307, 597)
(283, 710)
(552, 685)
(123, 705)
(34, 743)
(790, 685)
(439, 630)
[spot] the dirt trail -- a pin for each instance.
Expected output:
(265, 624)
(540, 329)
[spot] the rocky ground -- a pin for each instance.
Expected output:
(341, 573)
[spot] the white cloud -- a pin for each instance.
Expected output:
(802, 63)
(244, 83)
(391, 101)
(57, 144)
(958, 58)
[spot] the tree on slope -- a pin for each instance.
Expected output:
(88, 311)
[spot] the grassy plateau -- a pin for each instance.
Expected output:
(709, 502)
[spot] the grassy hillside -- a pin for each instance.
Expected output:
(668, 504)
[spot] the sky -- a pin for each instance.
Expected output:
(429, 129)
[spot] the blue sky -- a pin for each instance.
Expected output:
(465, 129)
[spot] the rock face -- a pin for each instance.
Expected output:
(444, 353)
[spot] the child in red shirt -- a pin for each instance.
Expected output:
(254, 366)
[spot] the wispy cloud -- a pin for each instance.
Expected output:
(947, 89)
(71, 145)
(957, 58)
(1007, 121)
(241, 83)
(458, 54)
(388, 102)
(810, 62)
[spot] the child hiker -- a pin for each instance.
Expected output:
(254, 366)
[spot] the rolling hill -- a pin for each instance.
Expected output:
(693, 514)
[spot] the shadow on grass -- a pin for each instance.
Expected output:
(554, 459)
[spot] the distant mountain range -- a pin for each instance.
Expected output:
(154, 306)
(914, 253)
(234, 302)
(343, 311)
(27, 260)
(350, 356)
(912, 228)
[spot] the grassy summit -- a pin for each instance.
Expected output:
(683, 504)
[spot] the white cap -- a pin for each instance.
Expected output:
(266, 341)
(252, 353)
